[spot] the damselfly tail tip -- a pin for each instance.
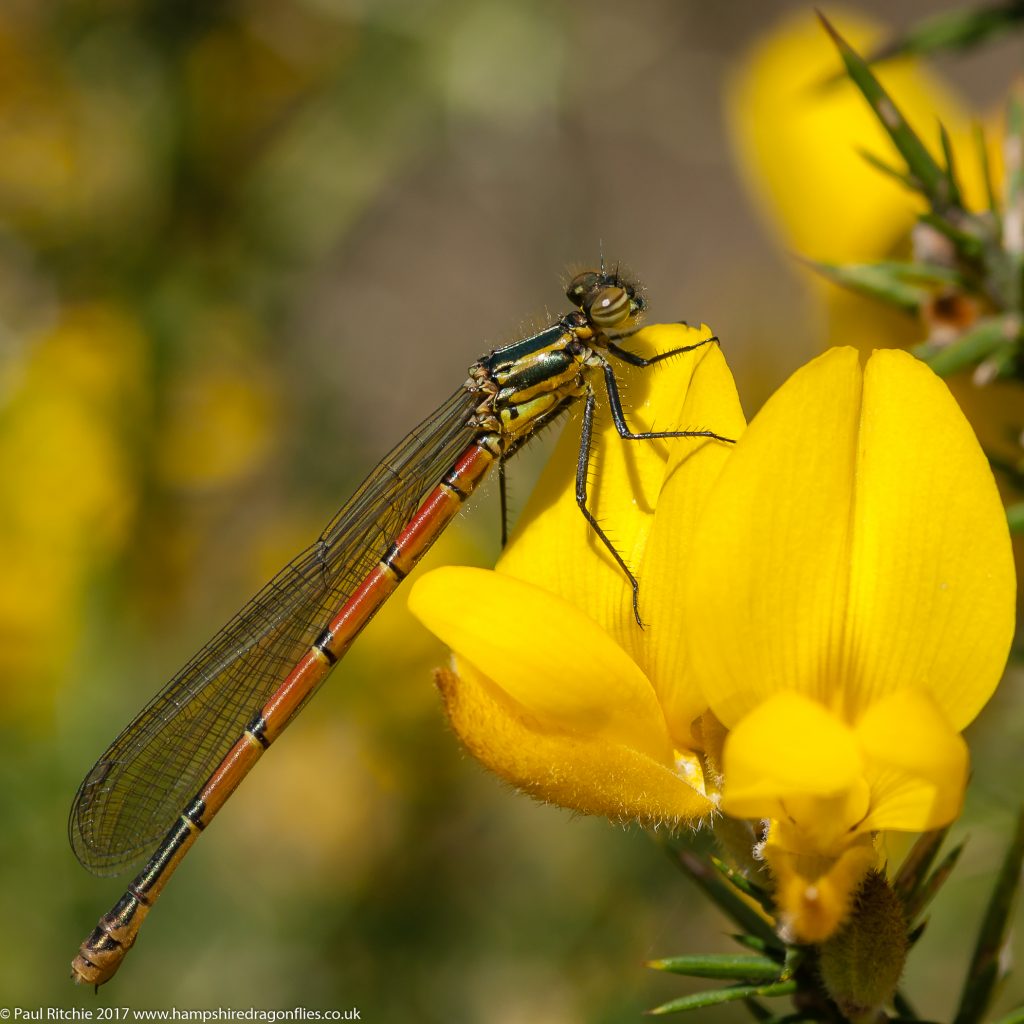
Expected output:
(97, 960)
(104, 950)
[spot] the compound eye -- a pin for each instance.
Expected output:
(581, 286)
(610, 307)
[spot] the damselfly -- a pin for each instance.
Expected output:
(163, 779)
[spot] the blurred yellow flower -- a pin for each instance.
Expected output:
(67, 490)
(556, 688)
(796, 129)
(797, 141)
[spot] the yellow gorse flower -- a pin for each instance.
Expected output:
(797, 147)
(797, 139)
(849, 610)
(836, 591)
(555, 688)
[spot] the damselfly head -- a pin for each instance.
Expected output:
(608, 301)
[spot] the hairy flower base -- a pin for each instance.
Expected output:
(569, 769)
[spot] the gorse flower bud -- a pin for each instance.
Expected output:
(862, 963)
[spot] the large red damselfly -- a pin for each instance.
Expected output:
(169, 772)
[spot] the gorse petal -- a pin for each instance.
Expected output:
(793, 761)
(557, 664)
(879, 559)
(712, 401)
(932, 577)
(789, 747)
(554, 543)
(765, 589)
(915, 761)
(582, 772)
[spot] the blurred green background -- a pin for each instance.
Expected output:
(243, 248)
